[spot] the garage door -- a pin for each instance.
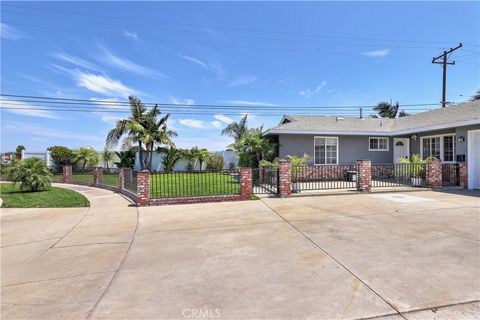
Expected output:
(474, 159)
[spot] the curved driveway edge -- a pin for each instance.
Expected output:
(58, 262)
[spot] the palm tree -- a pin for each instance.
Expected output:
(126, 159)
(201, 155)
(144, 128)
(236, 130)
(133, 127)
(476, 96)
(388, 110)
(86, 155)
(107, 157)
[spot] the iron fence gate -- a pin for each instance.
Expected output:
(265, 180)
(399, 175)
(450, 175)
(324, 177)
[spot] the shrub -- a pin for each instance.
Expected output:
(214, 162)
(5, 170)
(62, 155)
(126, 159)
(32, 174)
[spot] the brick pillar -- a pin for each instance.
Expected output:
(124, 177)
(463, 175)
(98, 175)
(364, 179)
(67, 173)
(246, 183)
(285, 178)
(143, 188)
(434, 174)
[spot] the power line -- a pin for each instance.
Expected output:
(127, 103)
(212, 44)
(226, 28)
(230, 35)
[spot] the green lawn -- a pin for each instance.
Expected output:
(13, 197)
(193, 184)
(108, 179)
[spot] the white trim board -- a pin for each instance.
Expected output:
(470, 155)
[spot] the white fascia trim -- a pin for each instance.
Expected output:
(371, 133)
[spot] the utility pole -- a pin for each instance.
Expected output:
(444, 62)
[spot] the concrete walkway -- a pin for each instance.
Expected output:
(413, 255)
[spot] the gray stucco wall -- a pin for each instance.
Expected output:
(461, 147)
(350, 148)
(353, 148)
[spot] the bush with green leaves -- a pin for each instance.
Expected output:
(214, 162)
(62, 155)
(5, 170)
(126, 159)
(32, 174)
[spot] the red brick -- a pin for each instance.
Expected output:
(97, 175)
(67, 173)
(285, 178)
(364, 183)
(143, 188)
(434, 174)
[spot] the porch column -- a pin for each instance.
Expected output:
(463, 175)
(434, 174)
(364, 179)
(285, 178)
(67, 173)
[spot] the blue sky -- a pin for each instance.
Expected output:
(245, 53)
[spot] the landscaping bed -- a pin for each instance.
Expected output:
(54, 197)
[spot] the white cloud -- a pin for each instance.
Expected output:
(377, 53)
(75, 61)
(131, 34)
(307, 93)
(110, 119)
(241, 81)
(51, 133)
(183, 102)
(195, 60)
(127, 65)
(103, 84)
(26, 109)
(193, 123)
(250, 103)
(215, 67)
(9, 33)
(217, 124)
(223, 118)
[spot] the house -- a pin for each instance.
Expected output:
(451, 134)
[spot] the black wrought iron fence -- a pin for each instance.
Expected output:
(194, 183)
(399, 175)
(82, 175)
(450, 174)
(324, 177)
(110, 177)
(265, 180)
(131, 181)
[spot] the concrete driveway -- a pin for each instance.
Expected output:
(413, 255)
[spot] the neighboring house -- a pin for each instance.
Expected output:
(43, 155)
(228, 157)
(450, 134)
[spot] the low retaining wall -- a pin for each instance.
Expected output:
(200, 199)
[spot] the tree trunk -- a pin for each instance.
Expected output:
(140, 156)
(84, 164)
(151, 158)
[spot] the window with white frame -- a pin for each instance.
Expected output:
(440, 147)
(326, 150)
(378, 144)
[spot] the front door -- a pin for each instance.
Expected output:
(401, 149)
(474, 159)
